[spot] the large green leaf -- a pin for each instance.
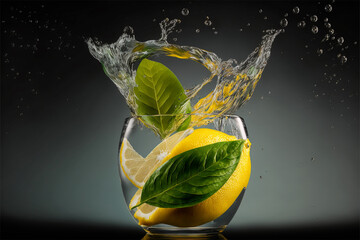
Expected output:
(193, 176)
(159, 92)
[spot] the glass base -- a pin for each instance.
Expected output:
(186, 232)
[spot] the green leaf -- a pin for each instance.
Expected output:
(159, 92)
(193, 176)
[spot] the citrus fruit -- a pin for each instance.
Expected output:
(209, 209)
(138, 169)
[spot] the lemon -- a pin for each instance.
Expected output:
(209, 209)
(138, 169)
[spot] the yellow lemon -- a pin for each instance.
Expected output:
(209, 209)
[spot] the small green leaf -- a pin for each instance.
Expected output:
(159, 92)
(193, 176)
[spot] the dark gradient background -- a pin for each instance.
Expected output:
(61, 117)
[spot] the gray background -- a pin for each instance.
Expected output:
(61, 117)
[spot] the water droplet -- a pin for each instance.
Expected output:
(185, 11)
(306, 46)
(343, 59)
(320, 51)
(340, 40)
(326, 37)
(241, 29)
(301, 24)
(331, 31)
(296, 10)
(314, 29)
(327, 25)
(265, 18)
(248, 24)
(286, 14)
(260, 10)
(328, 8)
(197, 30)
(355, 43)
(207, 22)
(313, 18)
(284, 22)
(326, 19)
(216, 32)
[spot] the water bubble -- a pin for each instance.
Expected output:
(312, 159)
(326, 37)
(306, 46)
(154, 20)
(284, 22)
(333, 38)
(175, 39)
(327, 25)
(265, 18)
(296, 10)
(216, 32)
(314, 29)
(313, 18)
(301, 24)
(207, 22)
(355, 43)
(197, 30)
(340, 40)
(339, 55)
(343, 59)
(286, 14)
(242, 30)
(331, 31)
(248, 24)
(326, 19)
(185, 11)
(260, 10)
(328, 8)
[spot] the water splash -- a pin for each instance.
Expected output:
(235, 82)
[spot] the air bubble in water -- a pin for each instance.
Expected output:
(339, 55)
(328, 8)
(248, 24)
(331, 31)
(313, 18)
(327, 25)
(326, 19)
(185, 11)
(314, 29)
(355, 43)
(284, 22)
(286, 14)
(296, 10)
(207, 22)
(340, 40)
(301, 24)
(197, 30)
(175, 39)
(326, 37)
(320, 51)
(343, 59)
(216, 32)
(260, 10)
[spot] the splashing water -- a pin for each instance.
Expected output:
(235, 82)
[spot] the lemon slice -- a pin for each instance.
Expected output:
(138, 169)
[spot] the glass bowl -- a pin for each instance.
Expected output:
(137, 142)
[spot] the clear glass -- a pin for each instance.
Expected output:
(144, 140)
